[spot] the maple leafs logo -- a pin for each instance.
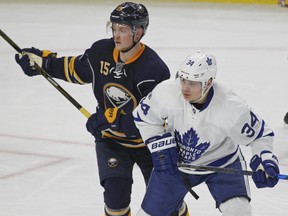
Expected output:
(189, 149)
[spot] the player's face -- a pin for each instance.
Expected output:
(123, 36)
(191, 90)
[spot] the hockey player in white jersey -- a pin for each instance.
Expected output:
(195, 120)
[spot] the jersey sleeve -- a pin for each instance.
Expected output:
(149, 115)
(251, 130)
(73, 69)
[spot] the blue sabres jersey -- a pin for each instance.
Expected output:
(115, 84)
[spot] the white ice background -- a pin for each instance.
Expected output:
(47, 158)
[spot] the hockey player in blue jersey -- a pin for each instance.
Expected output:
(195, 120)
(122, 71)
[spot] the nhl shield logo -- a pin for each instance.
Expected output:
(112, 162)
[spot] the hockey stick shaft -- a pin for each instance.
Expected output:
(48, 77)
(225, 170)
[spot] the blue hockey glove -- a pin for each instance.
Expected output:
(103, 120)
(266, 169)
(164, 153)
(30, 56)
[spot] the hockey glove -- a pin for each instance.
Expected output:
(266, 169)
(103, 120)
(164, 153)
(30, 56)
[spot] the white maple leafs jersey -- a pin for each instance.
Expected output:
(209, 136)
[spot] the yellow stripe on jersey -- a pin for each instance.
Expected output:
(73, 72)
(66, 70)
(123, 140)
(70, 72)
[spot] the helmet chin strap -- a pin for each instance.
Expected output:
(133, 45)
(134, 42)
(205, 91)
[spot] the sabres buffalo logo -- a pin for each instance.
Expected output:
(112, 162)
(118, 96)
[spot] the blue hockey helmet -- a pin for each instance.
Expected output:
(132, 14)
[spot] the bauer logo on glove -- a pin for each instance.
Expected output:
(158, 143)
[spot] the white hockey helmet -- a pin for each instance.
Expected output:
(198, 67)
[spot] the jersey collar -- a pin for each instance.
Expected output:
(209, 98)
(116, 54)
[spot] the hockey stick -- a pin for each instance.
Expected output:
(48, 77)
(225, 170)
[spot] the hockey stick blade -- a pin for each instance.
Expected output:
(48, 77)
(225, 170)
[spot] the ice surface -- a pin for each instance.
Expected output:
(47, 160)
